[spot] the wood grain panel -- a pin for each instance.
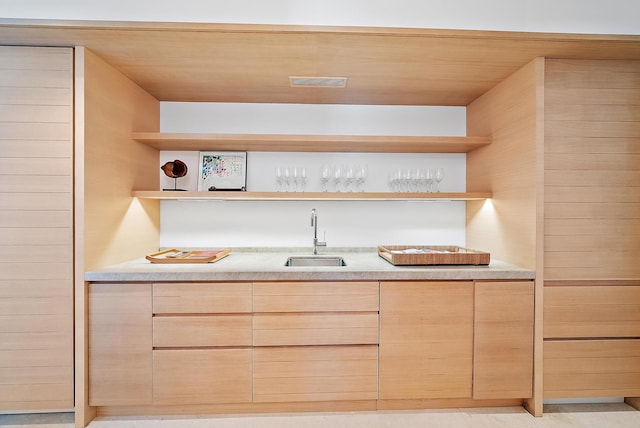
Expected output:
(592, 311)
(212, 330)
(185, 298)
(120, 344)
(591, 368)
(34, 58)
(316, 373)
(503, 340)
(315, 296)
(426, 339)
(592, 145)
(200, 376)
(591, 169)
(315, 329)
(511, 113)
(52, 114)
(42, 167)
(36, 217)
(115, 226)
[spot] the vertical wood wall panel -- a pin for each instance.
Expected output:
(510, 225)
(36, 229)
(117, 227)
(592, 170)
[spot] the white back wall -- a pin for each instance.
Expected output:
(287, 224)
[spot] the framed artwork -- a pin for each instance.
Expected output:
(220, 171)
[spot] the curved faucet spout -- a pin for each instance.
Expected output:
(314, 224)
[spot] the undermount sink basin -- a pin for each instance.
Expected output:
(302, 261)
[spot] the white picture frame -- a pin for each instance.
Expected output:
(222, 171)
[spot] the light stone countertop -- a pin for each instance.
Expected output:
(268, 265)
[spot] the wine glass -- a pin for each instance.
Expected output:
(429, 179)
(325, 175)
(287, 179)
(279, 178)
(303, 178)
(348, 178)
(337, 176)
(295, 178)
(361, 177)
(439, 175)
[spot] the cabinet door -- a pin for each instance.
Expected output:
(201, 376)
(120, 344)
(315, 373)
(426, 339)
(36, 228)
(503, 340)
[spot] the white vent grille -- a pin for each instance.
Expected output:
(318, 82)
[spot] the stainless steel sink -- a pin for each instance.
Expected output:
(302, 261)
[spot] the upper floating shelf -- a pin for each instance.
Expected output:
(309, 196)
(310, 143)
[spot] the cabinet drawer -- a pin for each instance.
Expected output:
(203, 330)
(315, 296)
(591, 311)
(201, 298)
(315, 329)
(591, 368)
(201, 376)
(315, 373)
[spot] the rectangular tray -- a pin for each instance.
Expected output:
(173, 255)
(432, 255)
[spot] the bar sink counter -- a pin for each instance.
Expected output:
(268, 264)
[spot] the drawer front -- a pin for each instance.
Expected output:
(204, 330)
(591, 368)
(315, 296)
(315, 329)
(591, 311)
(201, 376)
(201, 298)
(315, 373)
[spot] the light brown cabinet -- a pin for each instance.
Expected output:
(309, 342)
(120, 344)
(426, 339)
(201, 376)
(503, 340)
(315, 341)
(36, 229)
(591, 347)
(202, 343)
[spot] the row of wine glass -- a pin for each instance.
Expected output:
(291, 179)
(350, 178)
(346, 178)
(416, 179)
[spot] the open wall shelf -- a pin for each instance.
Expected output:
(310, 143)
(309, 196)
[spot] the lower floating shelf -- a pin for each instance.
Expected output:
(310, 196)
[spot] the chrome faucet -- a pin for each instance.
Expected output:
(314, 224)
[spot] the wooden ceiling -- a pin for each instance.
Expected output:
(252, 63)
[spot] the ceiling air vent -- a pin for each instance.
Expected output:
(318, 82)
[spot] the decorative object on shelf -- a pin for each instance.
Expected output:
(222, 171)
(175, 170)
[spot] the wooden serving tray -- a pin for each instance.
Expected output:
(432, 255)
(174, 255)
